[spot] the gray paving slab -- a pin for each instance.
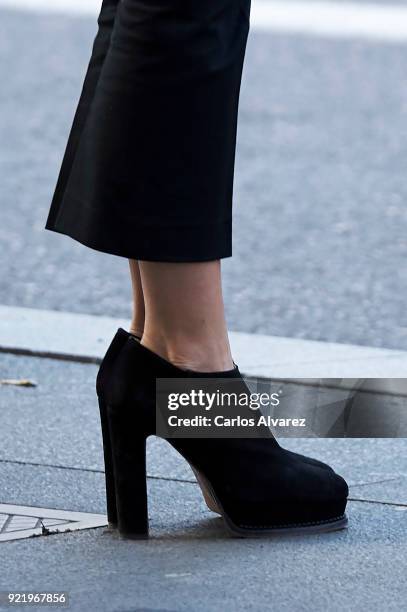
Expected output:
(319, 246)
(190, 564)
(55, 422)
(46, 487)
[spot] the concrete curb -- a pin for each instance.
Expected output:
(84, 338)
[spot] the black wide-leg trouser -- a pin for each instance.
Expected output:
(148, 169)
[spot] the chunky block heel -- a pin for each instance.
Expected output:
(103, 384)
(108, 458)
(130, 477)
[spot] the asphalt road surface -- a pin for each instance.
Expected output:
(320, 235)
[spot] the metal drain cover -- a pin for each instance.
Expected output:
(17, 522)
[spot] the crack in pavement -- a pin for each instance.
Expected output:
(374, 501)
(194, 482)
(88, 470)
(364, 484)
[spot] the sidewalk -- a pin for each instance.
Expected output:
(51, 457)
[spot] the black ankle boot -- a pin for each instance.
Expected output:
(257, 486)
(102, 383)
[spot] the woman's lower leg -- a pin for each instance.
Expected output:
(137, 322)
(184, 314)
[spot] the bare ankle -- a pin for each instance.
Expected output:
(201, 360)
(198, 356)
(136, 330)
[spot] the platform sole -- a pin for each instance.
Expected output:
(247, 531)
